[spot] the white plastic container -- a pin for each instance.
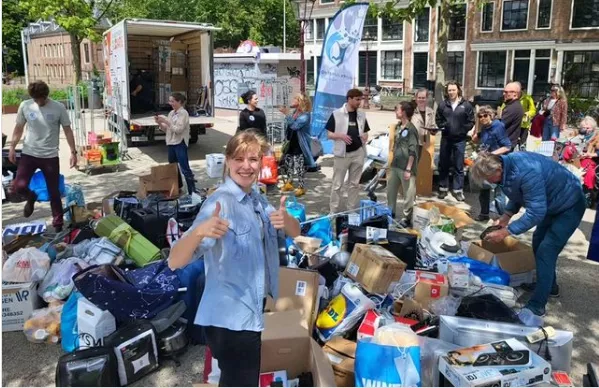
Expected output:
(93, 324)
(215, 165)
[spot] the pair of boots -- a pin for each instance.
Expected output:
(288, 186)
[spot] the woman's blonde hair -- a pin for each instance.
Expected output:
(485, 166)
(561, 93)
(304, 103)
(590, 121)
(245, 141)
(487, 110)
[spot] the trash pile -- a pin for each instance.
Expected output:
(362, 302)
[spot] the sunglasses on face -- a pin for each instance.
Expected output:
(483, 115)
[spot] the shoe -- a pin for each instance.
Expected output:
(288, 187)
(58, 229)
(554, 292)
(313, 169)
(530, 287)
(482, 218)
(459, 196)
(299, 191)
(442, 194)
(28, 209)
(529, 318)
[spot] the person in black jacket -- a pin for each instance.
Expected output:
(252, 116)
(454, 118)
(512, 114)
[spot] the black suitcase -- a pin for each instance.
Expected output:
(136, 350)
(93, 367)
(151, 225)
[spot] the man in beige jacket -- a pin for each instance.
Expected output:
(349, 129)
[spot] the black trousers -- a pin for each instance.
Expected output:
(451, 157)
(484, 197)
(238, 355)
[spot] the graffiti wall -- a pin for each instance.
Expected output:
(231, 80)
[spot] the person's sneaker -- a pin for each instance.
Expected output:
(482, 218)
(442, 194)
(529, 318)
(58, 229)
(288, 187)
(554, 292)
(313, 169)
(459, 196)
(405, 223)
(299, 191)
(28, 209)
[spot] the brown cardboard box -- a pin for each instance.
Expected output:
(511, 255)
(298, 290)
(430, 287)
(287, 345)
(309, 245)
(163, 178)
(342, 355)
(460, 217)
(374, 267)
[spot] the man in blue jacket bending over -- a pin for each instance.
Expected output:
(554, 202)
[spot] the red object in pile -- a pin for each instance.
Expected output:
(269, 174)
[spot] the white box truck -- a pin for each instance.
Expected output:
(147, 60)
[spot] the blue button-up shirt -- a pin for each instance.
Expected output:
(241, 268)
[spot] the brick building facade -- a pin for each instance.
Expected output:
(50, 57)
(533, 41)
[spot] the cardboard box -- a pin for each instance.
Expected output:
(429, 287)
(298, 290)
(374, 267)
(474, 366)
(287, 345)
(163, 179)
(342, 355)
(511, 255)
(420, 216)
(18, 302)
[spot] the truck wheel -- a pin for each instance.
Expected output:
(194, 131)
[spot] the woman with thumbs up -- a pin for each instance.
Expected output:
(237, 233)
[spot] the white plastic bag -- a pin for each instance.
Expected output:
(58, 283)
(26, 265)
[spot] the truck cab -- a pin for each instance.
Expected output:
(147, 60)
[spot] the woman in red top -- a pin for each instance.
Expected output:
(555, 110)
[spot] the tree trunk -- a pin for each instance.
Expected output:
(76, 52)
(442, 38)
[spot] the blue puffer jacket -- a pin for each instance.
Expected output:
(541, 185)
(494, 137)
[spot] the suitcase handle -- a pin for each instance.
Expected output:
(176, 201)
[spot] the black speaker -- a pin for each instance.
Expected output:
(402, 245)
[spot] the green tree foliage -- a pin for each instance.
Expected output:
(79, 18)
(259, 20)
(14, 19)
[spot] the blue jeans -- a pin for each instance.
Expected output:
(178, 154)
(548, 240)
(451, 155)
(550, 131)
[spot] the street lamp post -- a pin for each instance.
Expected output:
(367, 40)
(303, 12)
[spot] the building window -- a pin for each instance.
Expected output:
(391, 65)
(581, 73)
(309, 31)
(521, 68)
(491, 69)
(392, 30)
(487, 13)
(86, 52)
(371, 29)
(372, 59)
(310, 80)
(457, 22)
(422, 26)
(515, 15)
(585, 14)
(544, 14)
(327, 1)
(455, 66)
(320, 29)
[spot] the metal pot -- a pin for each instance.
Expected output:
(174, 339)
